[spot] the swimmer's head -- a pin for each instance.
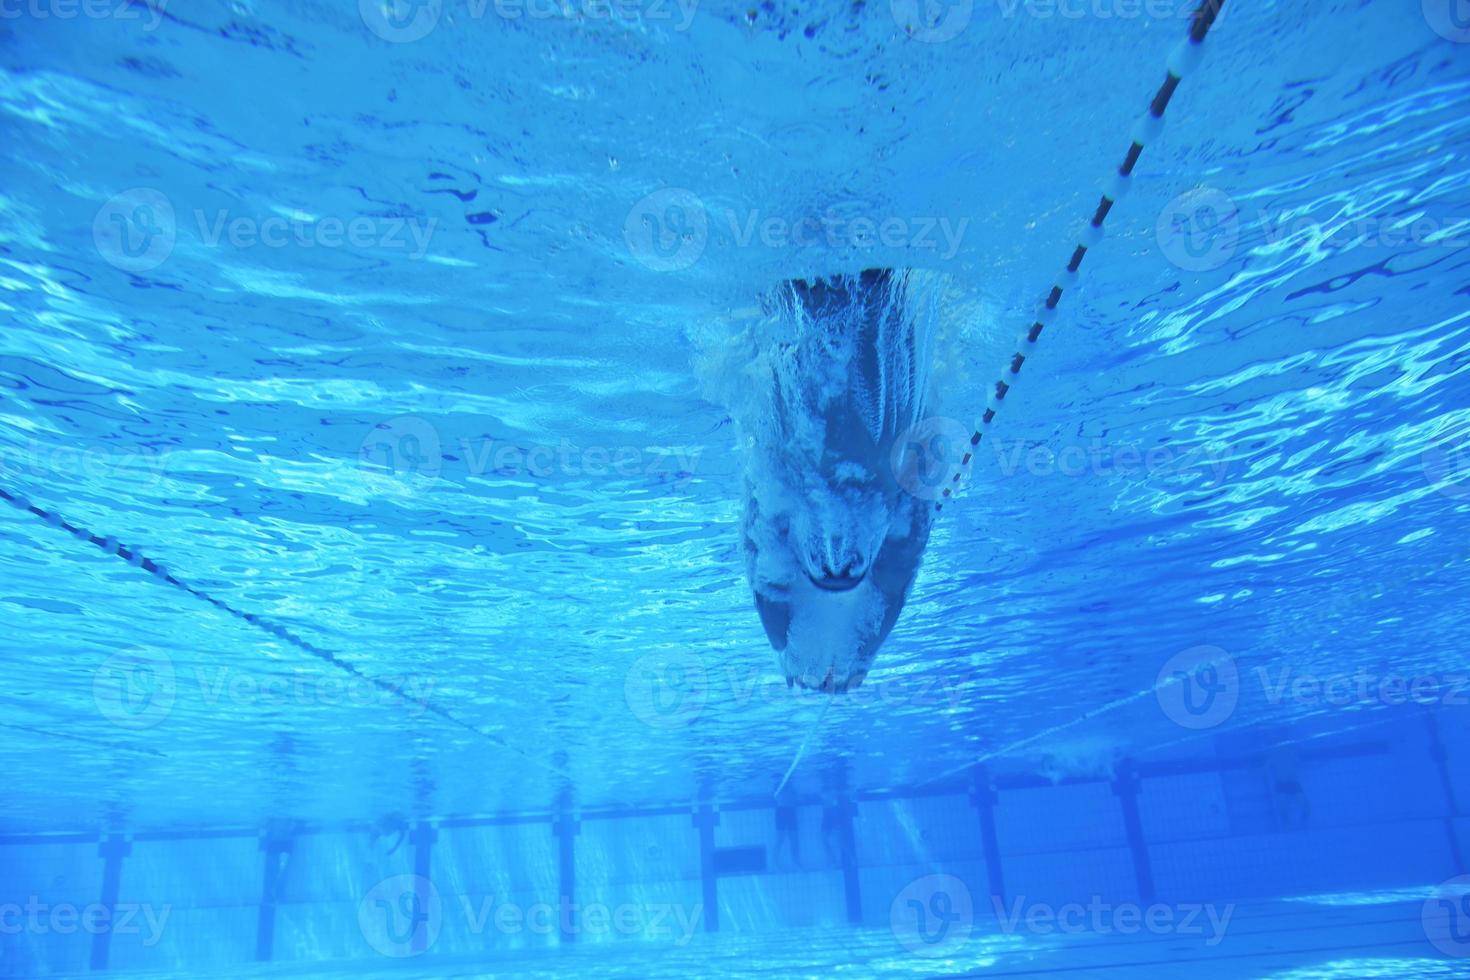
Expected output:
(838, 536)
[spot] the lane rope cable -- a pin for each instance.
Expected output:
(1184, 60)
(110, 545)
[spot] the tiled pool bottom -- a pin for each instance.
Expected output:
(1358, 936)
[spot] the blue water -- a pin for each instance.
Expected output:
(417, 340)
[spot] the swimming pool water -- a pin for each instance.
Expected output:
(406, 332)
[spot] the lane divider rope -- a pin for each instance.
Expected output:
(1184, 60)
(111, 546)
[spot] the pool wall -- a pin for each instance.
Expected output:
(1382, 815)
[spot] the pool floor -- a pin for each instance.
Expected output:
(1366, 936)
